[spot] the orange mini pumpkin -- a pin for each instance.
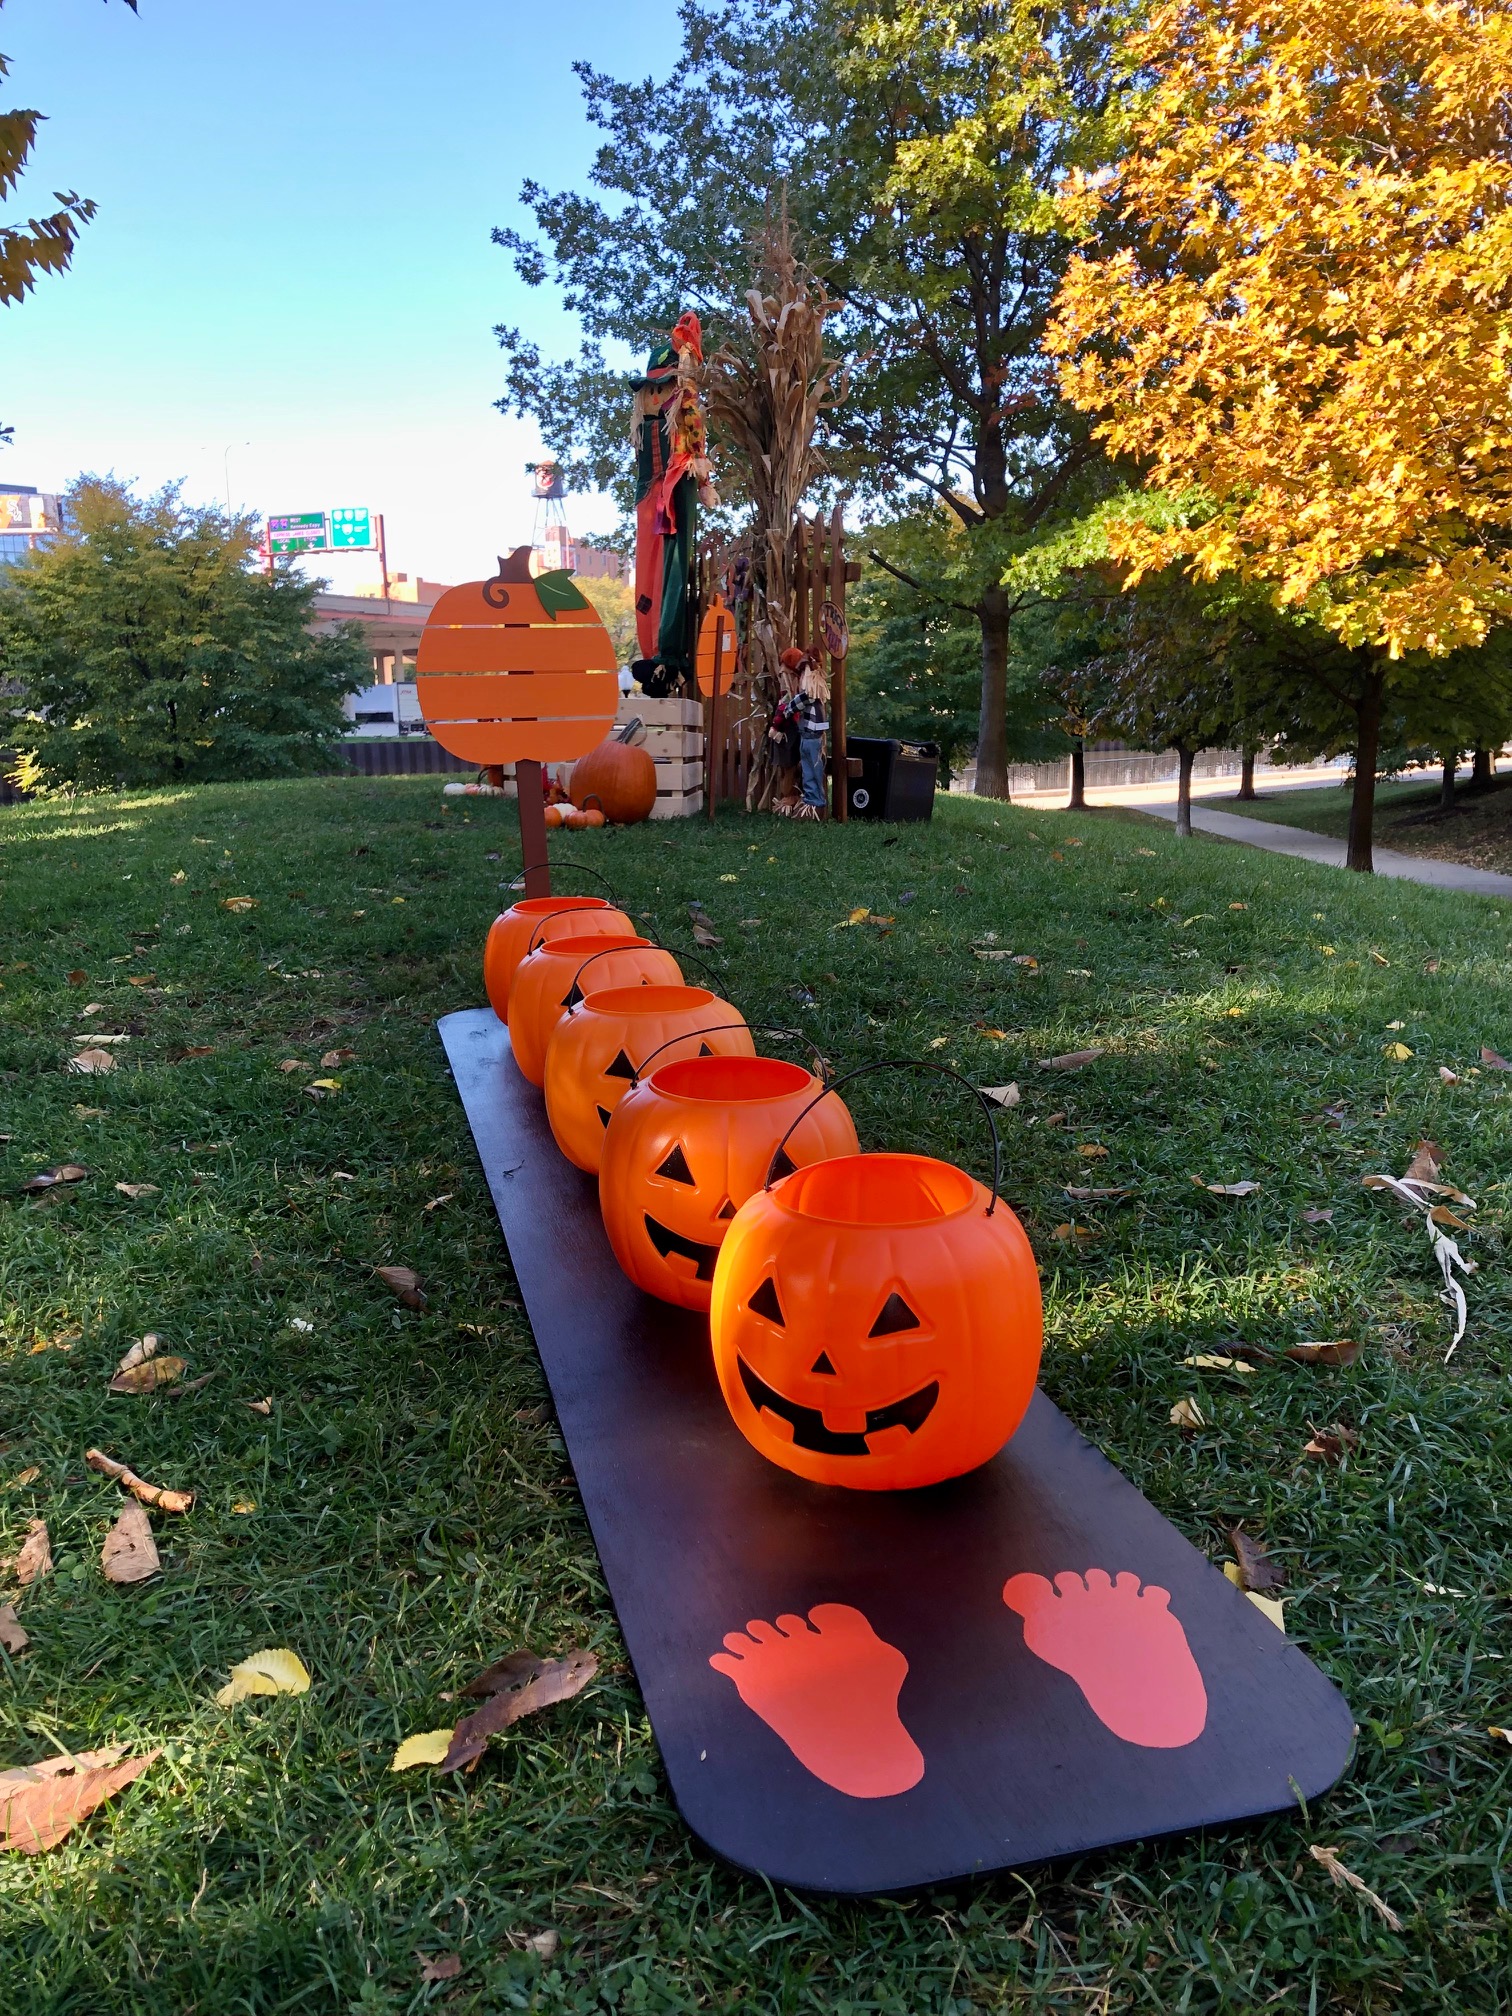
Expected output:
(875, 1324)
(602, 1041)
(687, 1146)
(516, 668)
(546, 984)
(534, 919)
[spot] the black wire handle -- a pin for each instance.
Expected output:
(769, 1028)
(572, 867)
(603, 954)
(901, 1064)
(563, 910)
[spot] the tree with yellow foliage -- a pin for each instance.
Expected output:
(1291, 308)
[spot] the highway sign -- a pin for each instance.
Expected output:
(298, 532)
(352, 529)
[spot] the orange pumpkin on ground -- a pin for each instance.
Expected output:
(516, 668)
(874, 1324)
(687, 1146)
(534, 919)
(546, 982)
(621, 776)
(602, 1040)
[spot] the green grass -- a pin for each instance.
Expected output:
(415, 1515)
(1477, 832)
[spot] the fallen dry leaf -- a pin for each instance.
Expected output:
(436, 1202)
(704, 937)
(1070, 1060)
(92, 1063)
(77, 977)
(187, 1050)
(516, 1686)
(1256, 1569)
(41, 1803)
(1397, 1052)
(35, 1559)
(135, 1190)
(259, 1406)
(148, 1376)
(1081, 1194)
(130, 1553)
(1187, 1414)
(1449, 1077)
(334, 1059)
(279, 1671)
(1341, 1351)
(1442, 1215)
(238, 903)
(1244, 1189)
(1212, 1361)
(141, 979)
(989, 952)
(143, 1349)
(189, 1386)
(543, 1944)
(1314, 1216)
(27, 1476)
(1001, 1095)
(1331, 1445)
(1090, 1152)
(1069, 1233)
(323, 1088)
(429, 1748)
(1347, 1879)
(1270, 1607)
(89, 1112)
(293, 1064)
(49, 1179)
(405, 1283)
(1493, 1059)
(993, 1035)
(12, 1637)
(439, 1966)
(1427, 1161)
(149, 1494)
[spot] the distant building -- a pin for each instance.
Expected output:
(28, 517)
(597, 563)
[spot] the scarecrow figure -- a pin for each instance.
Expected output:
(672, 474)
(800, 722)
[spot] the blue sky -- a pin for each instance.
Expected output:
(292, 253)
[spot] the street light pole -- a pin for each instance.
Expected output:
(226, 465)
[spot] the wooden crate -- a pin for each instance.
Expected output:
(677, 804)
(674, 740)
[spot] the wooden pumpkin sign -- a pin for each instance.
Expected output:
(518, 669)
(715, 659)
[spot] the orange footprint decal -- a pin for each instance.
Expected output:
(828, 1686)
(1122, 1646)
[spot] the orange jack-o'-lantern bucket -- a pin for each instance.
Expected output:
(876, 1319)
(534, 919)
(688, 1144)
(546, 985)
(605, 1039)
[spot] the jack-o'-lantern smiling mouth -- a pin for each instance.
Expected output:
(667, 1242)
(807, 1423)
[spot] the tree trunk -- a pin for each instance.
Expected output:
(1367, 751)
(1186, 757)
(992, 728)
(1446, 787)
(1077, 802)
(1247, 789)
(1483, 764)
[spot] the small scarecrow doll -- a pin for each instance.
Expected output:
(801, 718)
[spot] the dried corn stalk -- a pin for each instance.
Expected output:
(765, 397)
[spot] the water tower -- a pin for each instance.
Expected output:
(551, 541)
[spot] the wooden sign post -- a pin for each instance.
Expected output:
(714, 663)
(518, 669)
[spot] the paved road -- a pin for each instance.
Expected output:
(1320, 847)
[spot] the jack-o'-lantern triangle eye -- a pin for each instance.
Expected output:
(676, 1169)
(896, 1315)
(620, 1068)
(784, 1165)
(764, 1302)
(574, 997)
(704, 1050)
(603, 1116)
(822, 1364)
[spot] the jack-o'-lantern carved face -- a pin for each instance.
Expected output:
(603, 1040)
(687, 1146)
(874, 1325)
(560, 972)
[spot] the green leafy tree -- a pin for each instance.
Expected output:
(919, 153)
(143, 648)
(41, 244)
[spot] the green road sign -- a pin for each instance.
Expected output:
(352, 529)
(298, 532)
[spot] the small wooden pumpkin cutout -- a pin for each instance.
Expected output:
(688, 1145)
(714, 661)
(875, 1325)
(535, 919)
(602, 1041)
(516, 668)
(546, 983)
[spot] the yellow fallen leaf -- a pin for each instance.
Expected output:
(148, 1376)
(1501, 1735)
(431, 1748)
(1327, 951)
(1209, 1361)
(178, 875)
(1273, 1607)
(276, 1672)
(238, 903)
(1090, 1152)
(1379, 958)
(27, 1476)
(939, 1042)
(324, 1085)
(1069, 1231)
(1398, 1052)
(243, 1506)
(1187, 1414)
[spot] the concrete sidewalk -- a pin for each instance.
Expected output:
(1319, 847)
